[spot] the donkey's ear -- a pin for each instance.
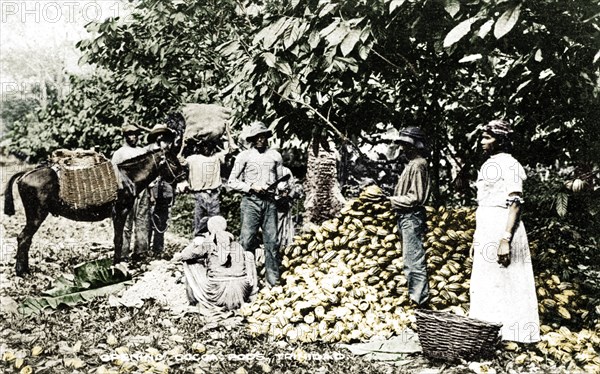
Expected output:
(175, 146)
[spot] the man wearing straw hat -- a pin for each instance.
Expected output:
(137, 219)
(409, 198)
(254, 172)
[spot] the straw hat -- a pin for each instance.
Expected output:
(257, 128)
(158, 130)
(414, 136)
(129, 129)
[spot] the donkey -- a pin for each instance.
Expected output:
(39, 193)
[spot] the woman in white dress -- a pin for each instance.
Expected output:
(218, 272)
(502, 282)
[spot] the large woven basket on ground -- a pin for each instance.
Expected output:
(86, 178)
(449, 337)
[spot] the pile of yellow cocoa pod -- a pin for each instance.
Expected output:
(343, 281)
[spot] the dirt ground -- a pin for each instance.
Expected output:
(97, 338)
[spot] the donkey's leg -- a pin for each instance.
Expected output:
(35, 218)
(119, 218)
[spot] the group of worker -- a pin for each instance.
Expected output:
(256, 174)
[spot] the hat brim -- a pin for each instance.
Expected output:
(130, 129)
(154, 134)
(269, 133)
(408, 140)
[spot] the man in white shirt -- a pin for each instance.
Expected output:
(137, 219)
(129, 149)
(205, 182)
(254, 172)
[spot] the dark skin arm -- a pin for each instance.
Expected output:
(514, 216)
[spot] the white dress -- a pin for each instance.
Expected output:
(502, 294)
(226, 279)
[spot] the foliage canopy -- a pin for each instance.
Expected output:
(348, 68)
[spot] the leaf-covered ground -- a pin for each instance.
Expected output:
(97, 338)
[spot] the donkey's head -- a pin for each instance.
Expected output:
(170, 168)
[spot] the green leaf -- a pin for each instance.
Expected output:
(92, 279)
(292, 89)
(507, 21)
(470, 58)
(338, 35)
(270, 59)
(485, 28)
(546, 74)
(178, 18)
(452, 7)
(329, 29)
(292, 34)
(275, 31)
(83, 59)
(395, 4)
(350, 41)
(327, 9)
(364, 49)
(284, 68)
(314, 39)
(458, 32)
(365, 33)
(562, 200)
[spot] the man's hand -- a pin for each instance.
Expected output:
(504, 253)
(257, 189)
(182, 187)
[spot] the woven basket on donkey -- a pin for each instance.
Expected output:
(86, 181)
(450, 337)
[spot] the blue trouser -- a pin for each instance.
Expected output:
(207, 205)
(136, 224)
(412, 226)
(261, 212)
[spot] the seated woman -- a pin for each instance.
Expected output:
(218, 271)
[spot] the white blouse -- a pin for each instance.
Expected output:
(498, 177)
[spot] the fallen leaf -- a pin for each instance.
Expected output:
(36, 351)
(161, 368)
(19, 362)
(177, 350)
(26, 370)
(8, 356)
(103, 370)
(177, 338)
(122, 350)
(111, 340)
(199, 347)
(9, 305)
(64, 348)
(265, 367)
(74, 363)
(153, 351)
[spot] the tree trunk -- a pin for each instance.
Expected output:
(323, 198)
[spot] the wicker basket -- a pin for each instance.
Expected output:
(88, 186)
(449, 337)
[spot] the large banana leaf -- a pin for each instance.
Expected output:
(90, 280)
